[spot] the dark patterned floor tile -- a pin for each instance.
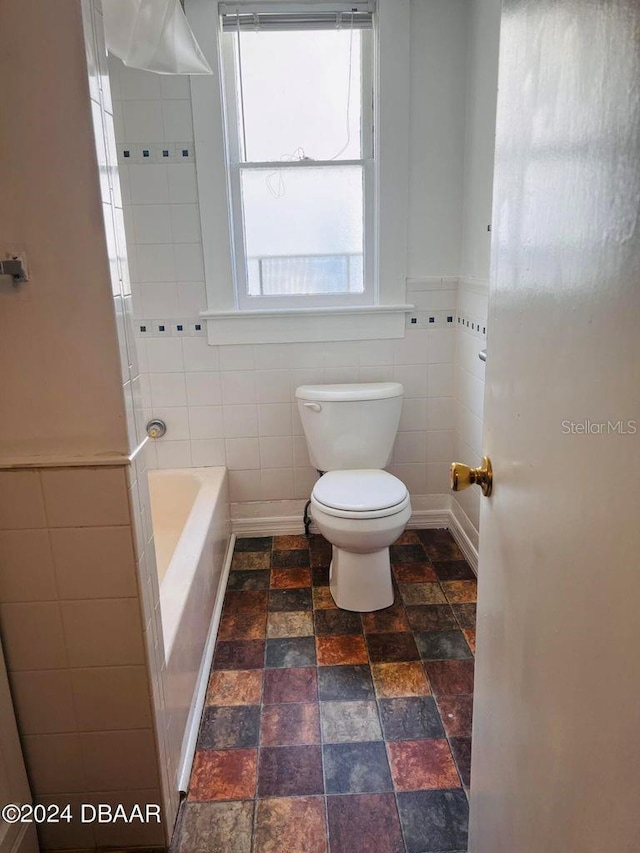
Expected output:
(290, 623)
(289, 725)
(253, 543)
(349, 722)
(456, 713)
(296, 558)
(239, 654)
(290, 771)
(290, 652)
(206, 827)
(410, 718)
(235, 687)
(250, 601)
(290, 825)
(470, 635)
(249, 579)
(341, 649)
(450, 677)
(434, 821)
(453, 570)
(465, 614)
(409, 537)
(440, 545)
(320, 575)
(246, 560)
(345, 682)
(290, 578)
(400, 679)
(356, 768)
(297, 542)
(226, 727)
(334, 621)
(418, 765)
(322, 599)
(442, 645)
(461, 749)
(290, 599)
(461, 592)
(407, 554)
(227, 774)
(431, 617)
(414, 573)
(392, 647)
(242, 626)
(422, 593)
(320, 551)
(290, 685)
(391, 619)
(362, 823)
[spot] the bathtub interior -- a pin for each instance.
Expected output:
(190, 519)
(172, 498)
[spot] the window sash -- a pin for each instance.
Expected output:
(310, 15)
(236, 164)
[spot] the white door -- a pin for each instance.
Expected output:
(14, 787)
(556, 738)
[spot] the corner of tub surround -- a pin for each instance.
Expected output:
(15, 455)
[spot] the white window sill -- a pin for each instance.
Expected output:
(297, 325)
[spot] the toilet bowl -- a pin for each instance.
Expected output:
(361, 513)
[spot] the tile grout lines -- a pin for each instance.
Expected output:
(406, 575)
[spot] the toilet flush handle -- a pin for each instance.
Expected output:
(315, 406)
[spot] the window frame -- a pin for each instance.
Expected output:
(385, 317)
(235, 165)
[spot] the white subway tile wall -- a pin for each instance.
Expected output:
(235, 405)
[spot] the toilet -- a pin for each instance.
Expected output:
(359, 508)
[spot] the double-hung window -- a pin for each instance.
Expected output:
(298, 107)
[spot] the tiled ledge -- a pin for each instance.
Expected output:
(13, 457)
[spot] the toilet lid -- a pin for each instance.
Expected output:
(359, 491)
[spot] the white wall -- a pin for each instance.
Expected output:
(480, 126)
(438, 83)
(60, 379)
(473, 294)
(234, 405)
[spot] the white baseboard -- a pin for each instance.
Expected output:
(193, 723)
(275, 525)
(429, 511)
(464, 533)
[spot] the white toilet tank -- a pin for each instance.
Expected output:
(350, 426)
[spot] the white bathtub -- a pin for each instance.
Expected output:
(191, 529)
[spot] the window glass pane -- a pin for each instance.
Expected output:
(301, 94)
(303, 230)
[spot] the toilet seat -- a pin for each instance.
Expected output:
(362, 493)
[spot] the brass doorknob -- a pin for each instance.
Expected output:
(462, 476)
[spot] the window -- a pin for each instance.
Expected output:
(299, 130)
(352, 285)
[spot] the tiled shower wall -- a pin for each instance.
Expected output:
(235, 405)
